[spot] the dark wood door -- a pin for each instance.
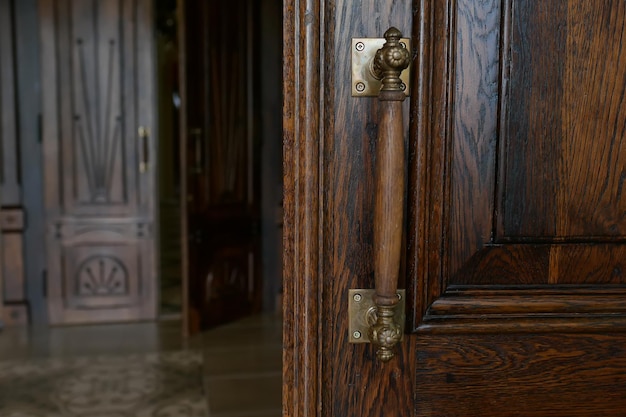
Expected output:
(516, 210)
(221, 161)
(98, 139)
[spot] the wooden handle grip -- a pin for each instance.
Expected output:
(388, 64)
(389, 206)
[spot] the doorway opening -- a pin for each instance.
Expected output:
(220, 158)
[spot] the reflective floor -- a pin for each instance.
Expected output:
(239, 366)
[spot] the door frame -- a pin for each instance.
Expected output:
(303, 130)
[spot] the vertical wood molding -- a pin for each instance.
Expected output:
(302, 113)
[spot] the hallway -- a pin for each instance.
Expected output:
(142, 369)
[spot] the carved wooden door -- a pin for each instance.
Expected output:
(221, 162)
(98, 101)
(516, 210)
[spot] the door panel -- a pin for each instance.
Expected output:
(518, 193)
(521, 375)
(97, 92)
(524, 197)
(515, 241)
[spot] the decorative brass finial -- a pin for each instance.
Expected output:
(384, 332)
(390, 61)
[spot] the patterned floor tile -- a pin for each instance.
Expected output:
(167, 384)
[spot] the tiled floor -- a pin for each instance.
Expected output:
(241, 361)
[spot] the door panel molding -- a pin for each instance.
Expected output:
(467, 229)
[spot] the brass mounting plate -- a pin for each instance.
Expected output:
(363, 82)
(360, 303)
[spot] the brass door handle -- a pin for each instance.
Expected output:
(388, 64)
(385, 331)
(144, 145)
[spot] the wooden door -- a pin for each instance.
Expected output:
(220, 156)
(98, 138)
(516, 210)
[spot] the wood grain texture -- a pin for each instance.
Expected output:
(302, 269)
(521, 375)
(329, 146)
(494, 160)
(472, 153)
(492, 343)
(567, 111)
(389, 198)
(532, 128)
(429, 130)
(355, 383)
(543, 264)
(592, 165)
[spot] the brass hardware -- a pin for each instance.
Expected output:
(365, 82)
(362, 314)
(144, 137)
(387, 64)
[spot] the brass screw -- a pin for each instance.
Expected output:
(360, 87)
(356, 334)
(357, 298)
(360, 46)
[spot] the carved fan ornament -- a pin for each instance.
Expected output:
(102, 275)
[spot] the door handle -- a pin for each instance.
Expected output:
(387, 65)
(144, 144)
